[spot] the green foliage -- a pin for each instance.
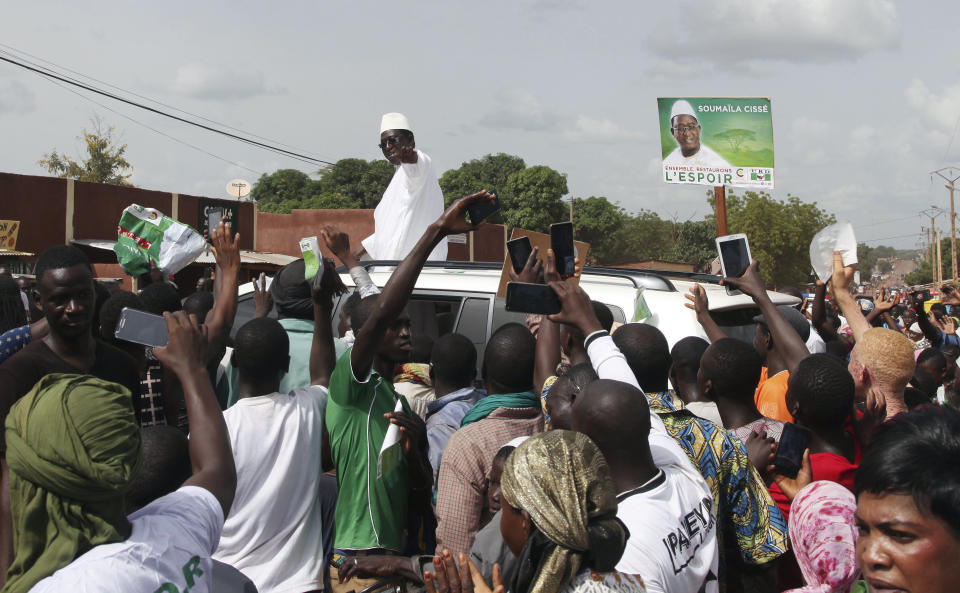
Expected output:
(105, 162)
(490, 172)
(535, 199)
(600, 223)
(283, 190)
(735, 137)
(867, 258)
(694, 243)
(359, 181)
(779, 233)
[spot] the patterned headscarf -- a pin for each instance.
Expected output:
(73, 447)
(824, 537)
(562, 481)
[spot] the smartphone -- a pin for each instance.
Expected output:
(734, 257)
(793, 441)
(532, 298)
(561, 241)
(141, 327)
(519, 250)
(214, 215)
(480, 211)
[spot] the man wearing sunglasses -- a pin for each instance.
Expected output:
(412, 201)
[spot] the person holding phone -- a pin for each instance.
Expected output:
(412, 201)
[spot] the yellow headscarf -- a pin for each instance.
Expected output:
(562, 480)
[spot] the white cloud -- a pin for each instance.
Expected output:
(518, 109)
(940, 109)
(15, 98)
(735, 32)
(202, 81)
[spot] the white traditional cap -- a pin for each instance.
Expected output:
(394, 121)
(516, 442)
(682, 107)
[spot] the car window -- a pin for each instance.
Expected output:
(433, 315)
(737, 323)
(502, 317)
(473, 320)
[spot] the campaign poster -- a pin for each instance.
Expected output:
(717, 141)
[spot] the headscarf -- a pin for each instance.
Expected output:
(291, 292)
(562, 480)
(824, 537)
(73, 448)
(487, 404)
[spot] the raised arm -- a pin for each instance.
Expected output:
(700, 305)
(323, 355)
(210, 452)
(338, 243)
(785, 339)
(397, 290)
(840, 283)
(226, 252)
(818, 316)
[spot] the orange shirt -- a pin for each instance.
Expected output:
(771, 396)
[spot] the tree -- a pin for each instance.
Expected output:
(694, 243)
(358, 181)
(600, 223)
(489, 172)
(735, 137)
(779, 233)
(105, 162)
(283, 190)
(536, 198)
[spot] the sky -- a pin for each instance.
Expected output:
(865, 93)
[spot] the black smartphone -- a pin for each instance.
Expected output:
(480, 211)
(561, 241)
(141, 327)
(519, 250)
(793, 441)
(532, 298)
(214, 215)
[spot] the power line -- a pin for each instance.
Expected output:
(894, 237)
(289, 153)
(207, 152)
(900, 219)
(82, 75)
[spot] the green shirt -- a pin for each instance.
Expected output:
(371, 512)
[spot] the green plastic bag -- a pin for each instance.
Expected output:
(145, 233)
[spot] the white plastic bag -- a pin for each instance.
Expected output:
(836, 237)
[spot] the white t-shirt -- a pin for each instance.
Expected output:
(706, 410)
(412, 201)
(815, 344)
(705, 157)
(673, 535)
(168, 551)
(274, 532)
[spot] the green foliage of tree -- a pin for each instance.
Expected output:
(535, 198)
(779, 232)
(105, 162)
(489, 172)
(357, 180)
(283, 190)
(694, 243)
(867, 257)
(600, 223)
(735, 137)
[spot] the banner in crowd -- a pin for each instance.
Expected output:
(144, 234)
(717, 141)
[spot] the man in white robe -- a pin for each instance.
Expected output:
(413, 199)
(686, 131)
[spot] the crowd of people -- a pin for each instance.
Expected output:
(303, 453)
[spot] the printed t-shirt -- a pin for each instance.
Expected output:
(673, 534)
(168, 550)
(771, 396)
(371, 510)
(275, 530)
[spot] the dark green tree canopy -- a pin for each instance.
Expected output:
(105, 162)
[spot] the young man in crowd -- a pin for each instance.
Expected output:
(752, 531)
(372, 506)
(510, 410)
(65, 293)
(77, 433)
(276, 438)
(453, 367)
(685, 364)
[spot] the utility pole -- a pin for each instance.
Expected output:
(939, 272)
(933, 212)
(950, 175)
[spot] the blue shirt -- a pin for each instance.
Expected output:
(443, 419)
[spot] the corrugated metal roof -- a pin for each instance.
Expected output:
(8, 253)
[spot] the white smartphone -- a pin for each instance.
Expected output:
(141, 327)
(734, 253)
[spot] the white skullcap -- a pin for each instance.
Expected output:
(516, 442)
(394, 121)
(682, 107)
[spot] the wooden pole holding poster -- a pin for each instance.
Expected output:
(720, 209)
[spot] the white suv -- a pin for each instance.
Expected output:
(461, 297)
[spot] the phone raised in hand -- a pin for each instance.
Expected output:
(532, 298)
(214, 216)
(519, 250)
(141, 327)
(561, 241)
(480, 211)
(793, 442)
(734, 253)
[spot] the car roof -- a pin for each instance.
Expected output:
(602, 283)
